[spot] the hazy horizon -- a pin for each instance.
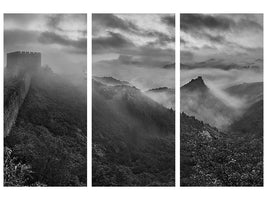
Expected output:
(61, 38)
(225, 49)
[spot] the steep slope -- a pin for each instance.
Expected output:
(251, 122)
(110, 81)
(50, 131)
(163, 95)
(199, 101)
(133, 138)
(195, 85)
(250, 92)
(212, 158)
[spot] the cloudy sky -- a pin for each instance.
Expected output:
(130, 46)
(61, 38)
(233, 37)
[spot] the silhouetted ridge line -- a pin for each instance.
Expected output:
(195, 84)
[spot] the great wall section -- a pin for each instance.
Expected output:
(18, 74)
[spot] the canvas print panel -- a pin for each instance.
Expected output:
(221, 132)
(45, 103)
(133, 103)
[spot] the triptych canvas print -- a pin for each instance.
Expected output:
(134, 113)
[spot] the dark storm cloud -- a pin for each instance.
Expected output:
(216, 39)
(142, 58)
(196, 21)
(191, 22)
(117, 43)
(112, 21)
(169, 20)
(53, 38)
(142, 41)
(161, 37)
(234, 36)
(161, 41)
(114, 41)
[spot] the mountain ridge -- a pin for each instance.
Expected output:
(133, 138)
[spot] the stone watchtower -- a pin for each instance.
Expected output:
(20, 62)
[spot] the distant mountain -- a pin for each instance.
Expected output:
(169, 66)
(196, 85)
(110, 81)
(222, 64)
(163, 95)
(133, 138)
(160, 89)
(199, 101)
(251, 92)
(251, 121)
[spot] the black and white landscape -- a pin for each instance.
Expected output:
(221, 100)
(45, 103)
(133, 100)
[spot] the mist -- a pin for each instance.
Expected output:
(208, 114)
(144, 78)
(60, 38)
(231, 101)
(167, 99)
(222, 78)
(217, 81)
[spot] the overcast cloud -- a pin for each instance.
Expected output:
(237, 38)
(131, 46)
(61, 38)
(225, 49)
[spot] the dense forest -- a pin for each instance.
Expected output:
(213, 158)
(48, 140)
(133, 138)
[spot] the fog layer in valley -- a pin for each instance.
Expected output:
(141, 77)
(217, 81)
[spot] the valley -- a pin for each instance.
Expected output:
(133, 137)
(221, 145)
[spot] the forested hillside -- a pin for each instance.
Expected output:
(50, 132)
(133, 138)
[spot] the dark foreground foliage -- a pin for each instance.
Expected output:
(212, 158)
(16, 173)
